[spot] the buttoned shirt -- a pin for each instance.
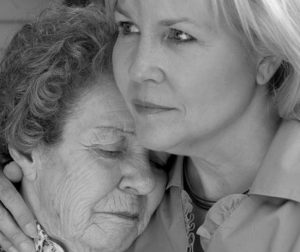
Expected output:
(267, 219)
(170, 228)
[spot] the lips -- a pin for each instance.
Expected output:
(144, 107)
(123, 215)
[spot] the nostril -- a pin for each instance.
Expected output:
(131, 190)
(145, 70)
(150, 75)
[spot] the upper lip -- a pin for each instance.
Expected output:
(148, 104)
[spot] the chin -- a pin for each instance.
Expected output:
(109, 236)
(153, 140)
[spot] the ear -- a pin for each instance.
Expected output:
(267, 66)
(27, 163)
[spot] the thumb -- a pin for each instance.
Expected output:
(13, 172)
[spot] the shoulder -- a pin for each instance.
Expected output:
(252, 223)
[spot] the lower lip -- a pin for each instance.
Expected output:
(144, 110)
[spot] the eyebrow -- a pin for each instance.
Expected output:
(169, 22)
(122, 11)
(166, 22)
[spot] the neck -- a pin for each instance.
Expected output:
(229, 161)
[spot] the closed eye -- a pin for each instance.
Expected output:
(109, 154)
(107, 151)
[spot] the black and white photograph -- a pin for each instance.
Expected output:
(149, 125)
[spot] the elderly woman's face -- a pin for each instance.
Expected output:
(96, 187)
(184, 77)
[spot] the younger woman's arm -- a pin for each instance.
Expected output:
(17, 223)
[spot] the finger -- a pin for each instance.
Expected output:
(13, 172)
(6, 245)
(13, 233)
(13, 201)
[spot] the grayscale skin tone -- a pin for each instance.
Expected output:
(95, 190)
(114, 184)
(22, 227)
(195, 89)
(207, 110)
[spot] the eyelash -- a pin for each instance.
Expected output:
(176, 36)
(123, 25)
(173, 34)
(108, 154)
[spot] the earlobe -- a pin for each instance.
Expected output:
(26, 162)
(267, 67)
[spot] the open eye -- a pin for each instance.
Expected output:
(127, 28)
(179, 36)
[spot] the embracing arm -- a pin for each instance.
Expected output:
(16, 220)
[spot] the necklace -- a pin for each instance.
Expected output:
(197, 200)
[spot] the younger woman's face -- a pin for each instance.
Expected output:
(184, 78)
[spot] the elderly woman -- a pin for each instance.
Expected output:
(64, 122)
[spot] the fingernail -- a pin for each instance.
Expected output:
(26, 247)
(31, 229)
(12, 249)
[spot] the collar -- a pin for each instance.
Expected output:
(176, 172)
(279, 174)
(44, 243)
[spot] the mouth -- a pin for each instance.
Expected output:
(124, 215)
(143, 107)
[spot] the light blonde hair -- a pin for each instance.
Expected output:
(271, 28)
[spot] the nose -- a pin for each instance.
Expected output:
(146, 62)
(137, 177)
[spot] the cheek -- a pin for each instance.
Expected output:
(76, 192)
(155, 197)
(121, 65)
(81, 194)
(216, 81)
(117, 61)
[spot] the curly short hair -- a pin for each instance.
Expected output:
(47, 66)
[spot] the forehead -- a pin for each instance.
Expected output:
(101, 107)
(197, 11)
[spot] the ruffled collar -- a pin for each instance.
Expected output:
(43, 243)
